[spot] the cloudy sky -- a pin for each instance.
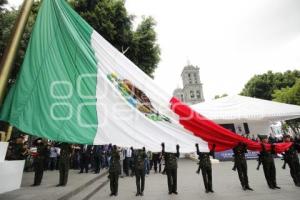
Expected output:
(230, 40)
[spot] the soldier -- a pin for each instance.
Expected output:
(267, 160)
(291, 158)
(240, 164)
(18, 149)
(139, 166)
(171, 168)
(85, 157)
(156, 157)
(114, 171)
(39, 161)
(205, 167)
(97, 158)
(64, 163)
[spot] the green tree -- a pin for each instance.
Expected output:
(111, 19)
(8, 18)
(290, 95)
(147, 52)
(107, 17)
(263, 86)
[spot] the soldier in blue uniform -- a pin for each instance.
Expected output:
(171, 168)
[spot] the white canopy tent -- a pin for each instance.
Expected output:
(257, 113)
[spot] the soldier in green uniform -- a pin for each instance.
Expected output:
(240, 164)
(171, 168)
(205, 167)
(39, 161)
(267, 160)
(114, 171)
(139, 157)
(64, 163)
(290, 157)
(19, 151)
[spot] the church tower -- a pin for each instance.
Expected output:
(192, 91)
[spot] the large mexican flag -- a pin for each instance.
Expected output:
(76, 87)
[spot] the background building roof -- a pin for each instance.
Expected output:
(241, 108)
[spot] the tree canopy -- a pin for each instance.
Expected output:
(109, 18)
(8, 18)
(263, 86)
(290, 95)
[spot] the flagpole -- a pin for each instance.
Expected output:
(11, 50)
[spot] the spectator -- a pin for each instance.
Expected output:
(53, 157)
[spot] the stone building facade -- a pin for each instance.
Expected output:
(192, 91)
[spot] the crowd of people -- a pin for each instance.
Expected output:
(122, 162)
(45, 155)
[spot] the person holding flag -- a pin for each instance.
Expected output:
(290, 157)
(139, 157)
(240, 164)
(171, 168)
(266, 158)
(205, 167)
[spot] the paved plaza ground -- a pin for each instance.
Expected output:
(190, 186)
(225, 183)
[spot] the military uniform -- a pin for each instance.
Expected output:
(267, 160)
(85, 158)
(291, 158)
(18, 152)
(97, 158)
(64, 163)
(39, 163)
(114, 171)
(171, 169)
(240, 164)
(139, 165)
(205, 167)
(156, 158)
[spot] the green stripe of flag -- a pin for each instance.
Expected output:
(54, 95)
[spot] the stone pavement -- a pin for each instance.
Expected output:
(190, 185)
(48, 190)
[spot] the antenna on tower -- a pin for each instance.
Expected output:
(188, 61)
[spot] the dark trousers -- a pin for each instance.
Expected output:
(63, 172)
(172, 179)
(52, 163)
(114, 178)
(242, 172)
(140, 180)
(207, 177)
(97, 164)
(156, 163)
(126, 166)
(38, 170)
(270, 173)
(84, 164)
(295, 171)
